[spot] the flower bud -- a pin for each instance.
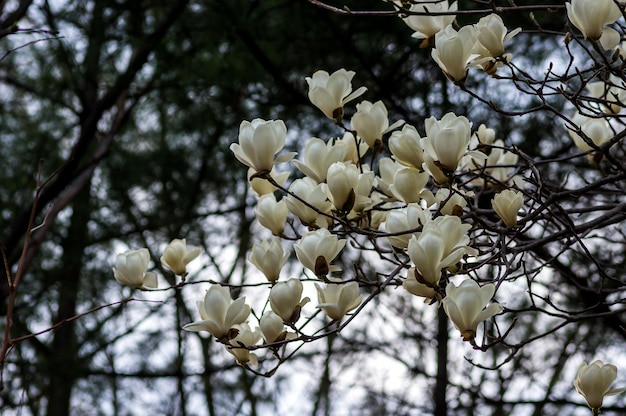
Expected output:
(316, 249)
(507, 204)
(246, 337)
(594, 381)
(271, 214)
(272, 327)
(259, 141)
(218, 313)
(337, 299)
(130, 269)
(269, 257)
(465, 306)
(177, 255)
(590, 16)
(285, 300)
(330, 93)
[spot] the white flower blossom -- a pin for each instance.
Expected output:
(590, 16)
(259, 141)
(454, 50)
(507, 204)
(466, 306)
(130, 269)
(426, 26)
(218, 313)
(330, 93)
(317, 249)
(338, 298)
(593, 382)
(285, 300)
(177, 255)
(269, 257)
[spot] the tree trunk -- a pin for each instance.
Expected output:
(64, 368)
(441, 405)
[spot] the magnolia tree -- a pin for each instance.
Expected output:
(443, 212)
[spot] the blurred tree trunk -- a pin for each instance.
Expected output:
(65, 363)
(441, 405)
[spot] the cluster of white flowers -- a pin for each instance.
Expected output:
(589, 128)
(385, 185)
(407, 199)
(131, 267)
(479, 45)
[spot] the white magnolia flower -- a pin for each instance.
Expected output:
(317, 249)
(355, 147)
(271, 214)
(348, 187)
(272, 327)
(454, 233)
(498, 164)
(404, 223)
(428, 253)
(447, 140)
(590, 16)
(406, 148)
(245, 337)
(269, 257)
(387, 168)
(435, 170)
(259, 141)
(330, 93)
(416, 288)
(620, 48)
(594, 381)
(454, 50)
(337, 298)
(262, 186)
(378, 210)
(177, 255)
(507, 204)
(218, 313)
(426, 26)
(370, 122)
(596, 129)
(491, 35)
(408, 184)
(465, 306)
(315, 195)
(483, 135)
(318, 156)
(611, 92)
(130, 269)
(452, 202)
(285, 300)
